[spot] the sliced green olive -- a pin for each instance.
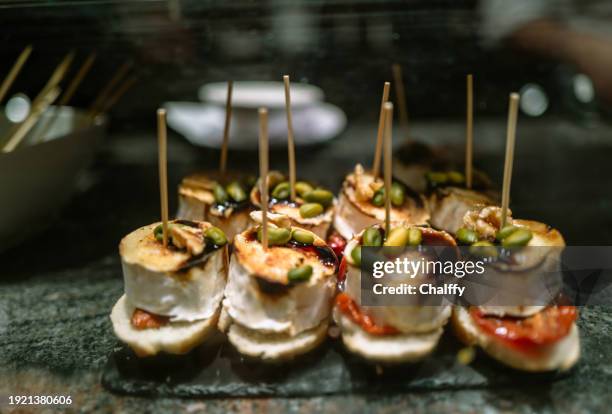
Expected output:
(220, 194)
(518, 238)
(466, 236)
(321, 196)
(372, 237)
(379, 198)
(277, 236)
(281, 191)
(505, 232)
(415, 236)
(483, 248)
(302, 236)
(302, 188)
(216, 236)
(236, 192)
(398, 237)
(436, 178)
(356, 255)
(158, 232)
(455, 177)
(309, 210)
(398, 194)
(300, 274)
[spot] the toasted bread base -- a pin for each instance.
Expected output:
(386, 348)
(268, 346)
(560, 356)
(174, 338)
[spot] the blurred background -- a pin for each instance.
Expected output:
(556, 53)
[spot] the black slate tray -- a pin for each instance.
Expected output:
(217, 370)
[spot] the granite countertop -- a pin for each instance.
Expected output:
(57, 289)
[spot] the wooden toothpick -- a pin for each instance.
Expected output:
(78, 78)
(290, 140)
(263, 173)
(388, 170)
(381, 127)
(510, 139)
(163, 171)
(12, 75)
(117, 94)
(400, 93)
(226, 128)
(106, 91)
(469, 132)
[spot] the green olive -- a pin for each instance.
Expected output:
(483, 248)
(302, 236)
(277, 236)
(281, 191)
(398, 237)
(220, 194)
(301, 188)
(379, 198)
(466, 236)
(321, 196)
(300, 274)
(356, 255)
(505, 232)
(455, 177)
(372, 237)
(158, 232)
(309, 210)
(236, 192)
(398, 194)
(436, 178)
(216, 236)
(520, 237)
(415, 236)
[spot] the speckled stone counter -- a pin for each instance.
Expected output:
(57, 289)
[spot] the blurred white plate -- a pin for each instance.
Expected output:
(202, 124)
(253, 94)
(36, 180)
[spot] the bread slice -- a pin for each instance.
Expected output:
(270, 346)
(174, 338)
(386, 348)
(560, 356)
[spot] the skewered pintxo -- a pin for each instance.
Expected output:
(172, 293)
(389, 333)
(278, 298)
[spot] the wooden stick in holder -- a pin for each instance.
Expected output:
(263, 173)
(106, 91)
(510, 139)
(469, 132)
(381, 127)
(163, 171)
(12, 75)
(400, 93)
(388, 170)
(226, 128)
(290, 138)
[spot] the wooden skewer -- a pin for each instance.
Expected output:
(78, 78)
(400, 93)
(12, 75)
(67, 95)
(163, 171)
(388, 172)
(381, 127)
(60, 71)
(510, 139)
(105, 92)
(469, 132)
(115, 96)
(290, 140)
(226, 128)
(40, 105)
(263, 173)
